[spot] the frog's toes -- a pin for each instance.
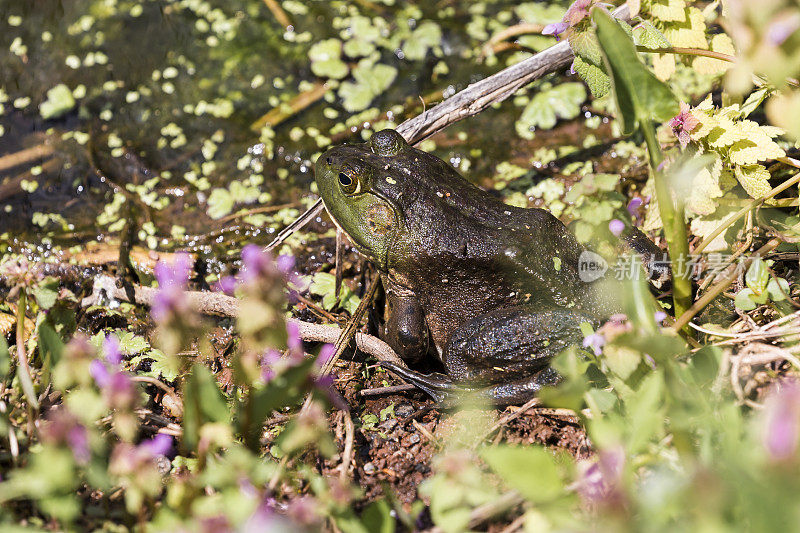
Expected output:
(438, 386)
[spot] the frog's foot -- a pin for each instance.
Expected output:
(438, 386)
(444, 391)
(521, 390)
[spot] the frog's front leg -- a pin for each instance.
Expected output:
(504, 354)
(406, 330)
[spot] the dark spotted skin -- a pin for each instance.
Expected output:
(493, 290)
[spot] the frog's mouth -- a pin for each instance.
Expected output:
(381, 224)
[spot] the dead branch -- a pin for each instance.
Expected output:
(218, 304)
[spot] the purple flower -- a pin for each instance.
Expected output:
(616, 227)
(683, 123)
(170, 299)
(99, 372)
(783, 28)
(256, 262)
(782, 421)
(555, 29)
(579, 10)
(595, 341)
(633, 207)
(324, 384)
(227, 284)
(660, 317)
(268, 362)
(161, 444)
(294, 342)
(62, 427)
(601, 482)
(263, 518)
(325, 354)
(78, 441)
(285, 263)
(111, 350)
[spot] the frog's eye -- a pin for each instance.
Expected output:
(349, 185)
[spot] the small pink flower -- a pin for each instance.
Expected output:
(161, 444)
(111, 350)
(616, 227)
(683, 124)
(227, 285)
(634, 206)
(172, 279)
(782, 421)
(601, 482)
(595, 341)
(555, 29)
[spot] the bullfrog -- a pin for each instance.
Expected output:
(491, 290)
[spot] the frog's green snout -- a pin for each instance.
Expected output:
(344, 179)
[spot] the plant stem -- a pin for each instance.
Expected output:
(689, 52)
(672, 215)
(22, 357)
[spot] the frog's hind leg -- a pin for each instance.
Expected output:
(442, 389)
(503, 355)
(438, 386)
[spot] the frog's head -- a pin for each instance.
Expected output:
(360, 186)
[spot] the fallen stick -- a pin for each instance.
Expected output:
(25, 156)
(218, 304)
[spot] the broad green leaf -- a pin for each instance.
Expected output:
(59, 101)
(597, 80)
(645, 412)
(46, 293)
(563, 101)
(744, 300)
(203, 402)
(220, 203)
(754, 179)
(377, 517)
(326, 60)
(647, 35)
(668, 10)
(639, 95)
(757, 276)
(531, 470)
(777, 288)
(690, 33)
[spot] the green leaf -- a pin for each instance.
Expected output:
(203, 403)
(757, 276)
(562, 101)
(647, 35)
(324, 284)
(46, 293)
(597, 80)
(644, 411)
(377, 517)
(744, 300)
(220, 203)
(283, 390)
(531, 470)
(777, 288)
(50, 346)
(5, 357)
(59, 101)
(326, 60)
(639, 95)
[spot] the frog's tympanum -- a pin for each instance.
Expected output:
(493, 290)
